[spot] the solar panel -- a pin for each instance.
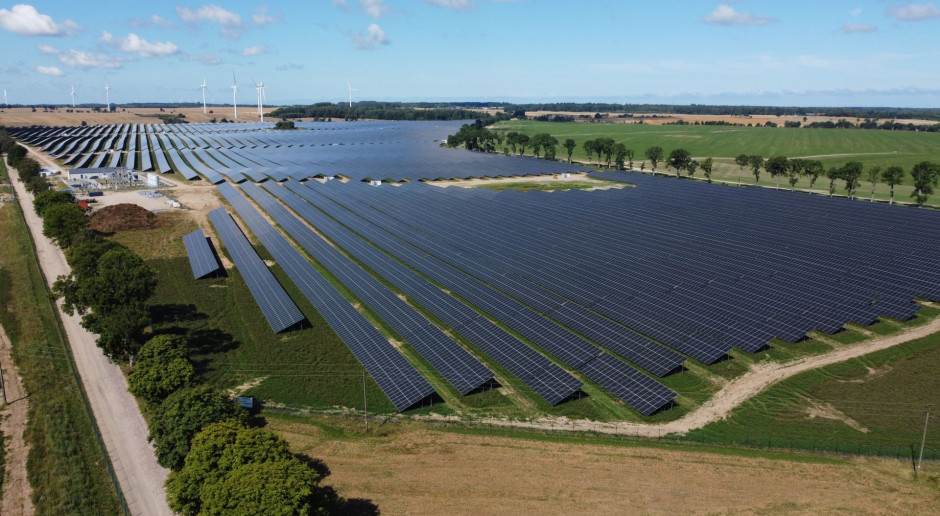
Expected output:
(201, 258)
(274, 302)
(397, 378)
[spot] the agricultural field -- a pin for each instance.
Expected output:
(834, 147)
(22, 116)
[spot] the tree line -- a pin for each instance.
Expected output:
(360, 110)
(220, 458)
(28, 168)
(610, 153)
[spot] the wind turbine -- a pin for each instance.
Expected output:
(107, 94)
(260, 87)
(73, 95)
(203, 88)
(5, 103)
(351, 89)
(234, 92)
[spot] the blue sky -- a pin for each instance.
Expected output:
(823, 52)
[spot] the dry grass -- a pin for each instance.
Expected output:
(414, 470)
(16, 117)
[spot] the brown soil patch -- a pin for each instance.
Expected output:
(122, 217)
(16, 488)
(426, 471)
(827, 411)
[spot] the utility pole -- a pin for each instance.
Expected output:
(365, 404)
(3, 386)
(922, 441)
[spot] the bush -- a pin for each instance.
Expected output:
(62, 222)
(46, 199)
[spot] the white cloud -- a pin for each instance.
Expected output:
(856, 12)
(206, 59)
(134, 44)
(261, 17)
(79, 59)
(154, 21)
(255, 50)
(289, 66)
(375, 37)
(50, 70)
(47, 49)
(724, 14)
(25, 20)
(914, 12)
(856, 28)
(374, 8)
(227, 20)
(459, 5)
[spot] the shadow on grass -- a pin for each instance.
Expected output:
(175, 313)
(334, 503)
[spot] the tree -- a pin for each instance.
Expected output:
(36, 185)
(512, 138)
(570, 144)
(544, 141)
(182, 415)
(813, 169)
(833, 174)
(756, 162)
(925, 176)
(522, 140)
(109, 286)
(795, 168)
(873, 175)
(893, 176)
(62, 222)
(162, 368)
(655, 155)
(276, 487)
(679, 159)
(630, 158)
(216, 451)
(776, 167)
(589, 146)
(707, 168)
(47, 199)
(742, 160)
(851, 172)
(605, 146)
(691, 167)
(620, 153)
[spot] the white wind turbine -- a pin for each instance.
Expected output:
(203, 88)
(260, 87)
(350, 90)
(73, 95)
(5, 103)
(107, 95)
(234, 93)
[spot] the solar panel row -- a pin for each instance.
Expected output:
(276, 305)
(397, 378)
(201, 258)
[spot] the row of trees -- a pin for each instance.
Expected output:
(27, 167)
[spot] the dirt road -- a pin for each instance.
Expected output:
(16, 489)
(732, 395)
(122, 427)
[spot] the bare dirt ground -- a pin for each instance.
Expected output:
(17, 492)
(120, 422)
(546, 180)
(15, 117)
(426, 471)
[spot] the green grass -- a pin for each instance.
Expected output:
(883, 393)
(66, 467)
(833, 147)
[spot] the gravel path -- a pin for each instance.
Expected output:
(119, 420)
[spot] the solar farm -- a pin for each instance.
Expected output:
(567, 294)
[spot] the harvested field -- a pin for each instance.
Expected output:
(423, 471)
(122, 217)
(16, 117)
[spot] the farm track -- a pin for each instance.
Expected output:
(117, 415)
(732, 395)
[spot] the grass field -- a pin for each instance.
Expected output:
(874, 404)
(65, 466)
(834, 147)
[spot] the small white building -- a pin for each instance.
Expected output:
(153, 180)
(48, 172)
(376, 182)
